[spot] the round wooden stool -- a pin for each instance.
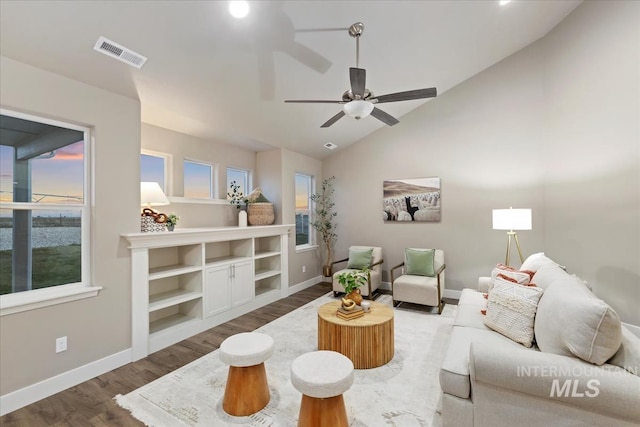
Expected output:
(247, 390)
(322, 377)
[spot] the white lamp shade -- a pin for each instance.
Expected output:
(152, 195)
(512, 219)
(358, 109)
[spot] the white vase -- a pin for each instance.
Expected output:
(242, 218)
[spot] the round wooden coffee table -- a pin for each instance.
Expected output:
(368, 340)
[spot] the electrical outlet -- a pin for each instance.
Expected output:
(304, 268)
(61, 344)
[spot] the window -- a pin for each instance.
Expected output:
(44, 207)
(198, 180)
(154, 167)
(304, 189)
(241, 177)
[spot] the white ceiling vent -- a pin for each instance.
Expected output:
(330, 146)
(119, 52)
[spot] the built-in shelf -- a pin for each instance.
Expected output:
(190, 280)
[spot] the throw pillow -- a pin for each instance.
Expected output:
(511, 310)
(572, 321)
(518, 277)
(419, 262)
(535, 261)
(359, 258)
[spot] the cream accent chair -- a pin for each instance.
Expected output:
(423, 290)
(375, 273)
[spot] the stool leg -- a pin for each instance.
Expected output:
(246, 391)
(327, 412)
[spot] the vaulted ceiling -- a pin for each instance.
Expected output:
(225, 79)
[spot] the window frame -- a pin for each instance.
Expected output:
(311, 244)
(249, 177)
(213, 184)
(168, 168)
(58, 294)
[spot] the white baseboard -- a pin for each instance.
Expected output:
(30, 394)
(304, 285)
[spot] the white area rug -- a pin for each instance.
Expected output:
(404, 393)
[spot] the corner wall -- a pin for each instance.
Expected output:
(554, 128)
(100, 326)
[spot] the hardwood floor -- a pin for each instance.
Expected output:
(91, 403)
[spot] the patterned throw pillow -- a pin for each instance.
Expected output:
(511, 310)
(509, 273)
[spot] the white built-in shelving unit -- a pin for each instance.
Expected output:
(189, 280)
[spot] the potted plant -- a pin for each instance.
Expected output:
(259, 208)
(323, 221)
(235, 195)
(172, 220)
(351, 282)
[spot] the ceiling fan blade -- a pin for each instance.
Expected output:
(333, 119)
(384, 117)
(313, 101)
(358, 78)
(408, 95)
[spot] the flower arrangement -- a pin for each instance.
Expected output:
(352, 280)
(235, 195)
(172, 219)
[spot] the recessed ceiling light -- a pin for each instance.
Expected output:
(330, 146)
(239, 8)
(503, 2)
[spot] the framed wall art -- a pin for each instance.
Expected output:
(411, 200)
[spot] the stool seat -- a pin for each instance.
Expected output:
(246, 349)
(322, 374)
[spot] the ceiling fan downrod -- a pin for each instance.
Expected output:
(355, 31)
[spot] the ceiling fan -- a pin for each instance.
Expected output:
(359, 101)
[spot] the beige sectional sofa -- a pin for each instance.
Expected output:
(582, 369)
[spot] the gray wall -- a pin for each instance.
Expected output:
(100, 326)
(553, 128)
(182, 147)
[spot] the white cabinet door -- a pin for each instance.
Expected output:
(217, 290)
(242, 285)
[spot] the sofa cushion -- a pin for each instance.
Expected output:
(573, 322)
(511, 310)
(419, 262)
(469, 306)
(628, 355)
(454, 372)
(359, 258)
(535, 261)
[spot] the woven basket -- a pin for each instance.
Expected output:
(260, 213)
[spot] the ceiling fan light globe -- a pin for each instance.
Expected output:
(358, 109)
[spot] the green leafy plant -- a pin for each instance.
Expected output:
(352, 280)
(325, 215)
(235, 195)
(172, 219)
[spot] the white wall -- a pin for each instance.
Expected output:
(553, 127)
(96, 327)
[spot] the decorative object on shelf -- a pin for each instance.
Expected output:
(512, 219)
(408, 200)
(259, 208)
(236, 197)
(323, 222)
(351, 281)
(152, 195)
(172, 221)
(242, 218)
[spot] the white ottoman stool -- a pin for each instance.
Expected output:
(322, 377)
(247, 390)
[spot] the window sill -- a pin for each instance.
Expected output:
(31, 300)
(202, 201)
(306, 248)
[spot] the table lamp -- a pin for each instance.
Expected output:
(152, 195)
(511, 220)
